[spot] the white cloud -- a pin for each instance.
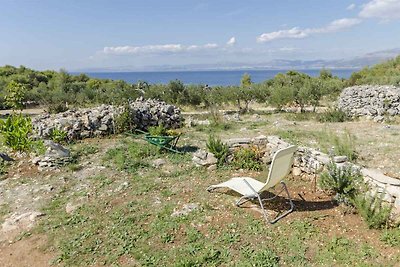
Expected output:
(383, 9)
(287, 49)
(351, 7)
(154, 49)
(298, 33)
(231, 41)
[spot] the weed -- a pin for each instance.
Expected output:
(248, 158)
(343, 145)
(303, 116)
(124, 121)
(374, 212)
(333, 115)
(16, 130)
(340, 180)
(391, 237)
(58, 136)
(218, 148)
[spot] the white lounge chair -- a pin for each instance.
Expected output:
(251, 188)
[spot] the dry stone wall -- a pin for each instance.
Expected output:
(374, 101)
(309, 162)
(99, 121)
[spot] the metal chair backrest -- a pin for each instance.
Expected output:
(280, 166)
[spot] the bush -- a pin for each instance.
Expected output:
(340, 180)
(124, 122)
(333, 115)
(15, 131)
(157, 130)
(374, 212)
(218, 148)
(248, 158)
(58, 136)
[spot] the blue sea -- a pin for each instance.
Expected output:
(212, 78)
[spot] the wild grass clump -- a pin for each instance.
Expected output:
(375, 213)
(343, 145)
(132, 156)
(342, 181)
(333, 115)
(391, 237)
(218, 148)
(248, 158)
(124, 122)
(16, 130)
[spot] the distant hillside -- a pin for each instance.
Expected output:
(384, 73)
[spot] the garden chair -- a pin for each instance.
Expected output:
(251, 189)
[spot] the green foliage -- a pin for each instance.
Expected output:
(159, 130)
(371, 208)
(132, 156)
(384, 73)
(124, 121)
(58, 136)
(15, 95)
(218, 148)
(334, 115)
(15, 131)
(248, 158)
(391, 237)
(343, 145)
(343, 181)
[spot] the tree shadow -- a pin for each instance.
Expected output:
(187, 149)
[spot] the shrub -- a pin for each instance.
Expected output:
(15, 95)
(15, 131)
(247, 158)
(341, 180)
(124, 122)
(374, 212)
(157, 130)
(218, 148)
(333, 115)
(58, 136)
(343, 145)
(54, 108)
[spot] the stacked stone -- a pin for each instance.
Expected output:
(309, 163)
(374, 101)
(99, 121)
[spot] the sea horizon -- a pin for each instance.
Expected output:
(209, 77)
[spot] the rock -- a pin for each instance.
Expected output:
(55, 150)
(237, 141)
(377, 175)
(187, 208)
(20, 221)
(340, 159)
(296, 171)
(157, 163)
(201, 154)
(212, 167)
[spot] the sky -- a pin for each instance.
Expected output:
(85, 34)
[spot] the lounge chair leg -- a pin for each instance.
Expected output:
(262, 207)
(240, 200)
(291, 205)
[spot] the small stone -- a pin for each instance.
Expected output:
(340, 159)
(157, 163)
(296, 171)
(187, 208)
(212, 167)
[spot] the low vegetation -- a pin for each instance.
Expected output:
(16, 130)
(218, 148)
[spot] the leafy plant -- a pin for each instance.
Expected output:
(218, 148)
(58, 136)
(15, 131)
(333, 115)
(159, 130)
(341, 180)
(124, 122)
(391, 237)
(248, 158)
(371, 208)
(15, 95)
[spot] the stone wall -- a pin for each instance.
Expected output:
(309, 162)
(374, 101)
(99, 121)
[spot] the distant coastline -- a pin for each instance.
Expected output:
(210, 77)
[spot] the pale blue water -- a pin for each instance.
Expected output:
(211, 78)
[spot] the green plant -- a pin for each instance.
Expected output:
(371, 207)
(247, 158)
(218, 148)
(343, 145)
(15, 95)
(341, 180)
(391, 237)
(159, 130)
(15, 131)
(333, 115)
(58, 136)
(124, 121)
